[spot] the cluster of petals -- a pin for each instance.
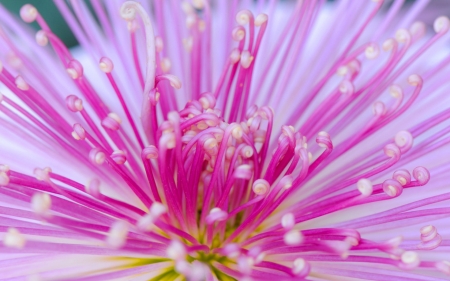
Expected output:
(226, 140)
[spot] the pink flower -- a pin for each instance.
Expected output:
(204, 141)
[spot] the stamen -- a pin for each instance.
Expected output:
(157, 209)
(288, 221)
(165, 64)
(168, 140)
(207, 100)
(4, 168)
(106, 65)
(147, 222)
(42, 174)
(392, 151)
(346, 87)
(198, 4)
(402, 176)
(13, 60)
(402, 36)
(301, 267)
(176, 251)
(261, 187)
(154, 97)
(409, 260)
(235, 56)
(247, 152)
(243, 172)
(183, 267)
(293, 238)
(443, 266)
(396, 91)
(237, 132)
(187, 7)
(246, 59)
(188, 43)
(74, 103)
(379, 108)
(388, 44)
(41, 203)
(21, 84)
(422, 175)
(174, 81)
(112, 121)
(117, 235)
(28, 13)
(78, 132)
(75, 69)
(261, 19)
(231, 250)
(159, 44)
(238, 34)
(41, 38)
(430, 238)
(128, 12)
(190, 21)
(93, 188)
(243, 17)
(365, 187)
(97, 156)
(150, 152)
(216, 214)
(14, 239)
(417, 30)
(4, 177)
(132, 27)
(372, 51)
(119, 157)
(323, 139)
(210, 144)
(392, 188)
(441, 24)
(404, 140)
(245, 264)
(428, 233)
(415, 80)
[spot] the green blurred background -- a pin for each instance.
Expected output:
(50, 13)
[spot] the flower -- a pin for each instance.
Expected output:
(286, 144)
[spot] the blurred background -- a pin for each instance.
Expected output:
(51, 14)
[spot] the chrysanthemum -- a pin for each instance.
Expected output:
(226, 140)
